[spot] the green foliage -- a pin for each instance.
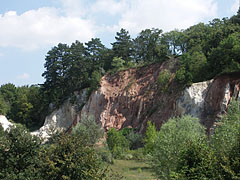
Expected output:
(134, 138)
(196, 161)
(117, 64)
(105, 154)
(19, 154)
(4, 106)
(117, 143)
(150, 138)
(163, 79)
(69, 159)
(170, 141)
(193, 68)
(147, 46)
(225, 57)
(226, 134)
(122, 48)
(88, 130)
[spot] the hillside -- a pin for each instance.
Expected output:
(134, 96)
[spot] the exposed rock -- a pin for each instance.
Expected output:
(4, 122)
(64, 117)
(192, 100)
(209, 100)
(132, 97)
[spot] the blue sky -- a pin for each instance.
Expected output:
(30, 28)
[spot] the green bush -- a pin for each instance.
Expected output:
(88, 130)
(117, 143)
(70, 159)
(19, 154)
(196, 161)
(150, 138)
(163, 79)
(171, 141)
(105, 155)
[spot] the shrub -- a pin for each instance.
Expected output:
(88, 130)
(196, 161)
(150, 138)
(19, 154)
(105, 155)
(134, 138)
(163, 79)
(69, 159)
(117, 143)
(170, 142)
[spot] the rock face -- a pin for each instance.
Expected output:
(64, 117)
(209, 100)
(132, 97)
(4, 122)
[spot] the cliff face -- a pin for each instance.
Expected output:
(132, 97)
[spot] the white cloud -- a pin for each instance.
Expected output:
(82, 20)
(110, 7)
(166, 15)
(235, 6)
(43, 27)
(23, 76)
(136, 15)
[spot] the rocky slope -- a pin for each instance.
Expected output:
(132, 97)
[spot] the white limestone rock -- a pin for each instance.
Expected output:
(4, 122)
(192, 100)
(62, 118)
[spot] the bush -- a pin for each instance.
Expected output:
(134, 138)
(88, 130)
(69, 159)
(163, 79)
(117, 143)
(196, 161)
(150, 138)
(19, 154)
(105, 155)
(170, 142)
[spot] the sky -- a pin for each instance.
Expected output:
(30, 28)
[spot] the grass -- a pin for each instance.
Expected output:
(133, 170)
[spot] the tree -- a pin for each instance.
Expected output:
(225, 58)
(4, 107)
(175, 41)
(150, 138)
(94, 52)
(146, 46)
(122, 48)
(170, 142)
(196, 161)
(56, 65)
(193, 67)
